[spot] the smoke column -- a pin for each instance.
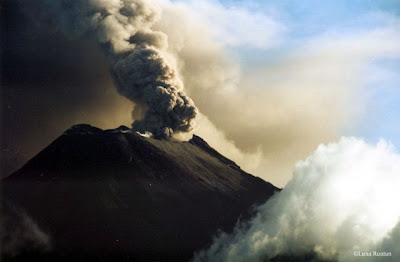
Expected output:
(341, 202)
(142, 69)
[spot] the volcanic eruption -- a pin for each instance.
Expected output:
(142, 70)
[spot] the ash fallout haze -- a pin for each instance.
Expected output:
(270, 81)
(302, 94)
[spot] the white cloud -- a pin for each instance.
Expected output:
(341, 199)
(238, 25)
(310, 94)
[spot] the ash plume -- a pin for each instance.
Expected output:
(141, 68)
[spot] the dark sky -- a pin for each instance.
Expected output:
(48, 83)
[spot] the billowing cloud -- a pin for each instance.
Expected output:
(286, 105)
(391, 244)
(276, 111)
(141, 69)
(341, 200)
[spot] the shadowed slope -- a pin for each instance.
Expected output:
(118, 194)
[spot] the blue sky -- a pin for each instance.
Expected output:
(382, 114)
(381, 118)
(292, 75)
(309, 18)
(299, 23)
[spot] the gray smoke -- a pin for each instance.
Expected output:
(142, 69)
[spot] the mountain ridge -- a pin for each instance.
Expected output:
(160, 199)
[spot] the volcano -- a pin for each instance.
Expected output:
(115, 195)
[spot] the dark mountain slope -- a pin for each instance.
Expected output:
(122, 196)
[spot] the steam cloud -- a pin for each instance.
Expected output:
(342, 199)
(19, 232)
(142, 69)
